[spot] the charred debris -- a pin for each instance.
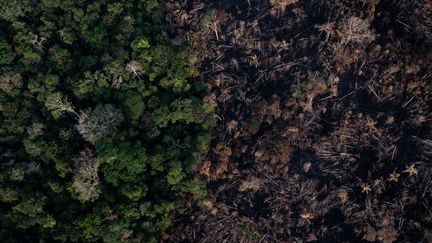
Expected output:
(324, 120)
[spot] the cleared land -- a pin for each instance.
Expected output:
(324, 126)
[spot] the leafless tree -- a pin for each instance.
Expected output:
(96, 124)
(134, 68)
(58, 105)
(86, 179)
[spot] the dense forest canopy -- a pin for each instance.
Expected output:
(100, 123)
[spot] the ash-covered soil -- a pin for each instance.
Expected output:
(324, 120)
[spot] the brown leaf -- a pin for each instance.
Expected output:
(251, 184)
(307, 166)
(232, 125)
(274, 109)
(280, 5)
(224, 154)
(204, 169)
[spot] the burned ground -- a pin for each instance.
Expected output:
(324, 120)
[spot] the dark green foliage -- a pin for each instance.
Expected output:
(6, 53)
(121, 161)
(99, 123)
(134, 105)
